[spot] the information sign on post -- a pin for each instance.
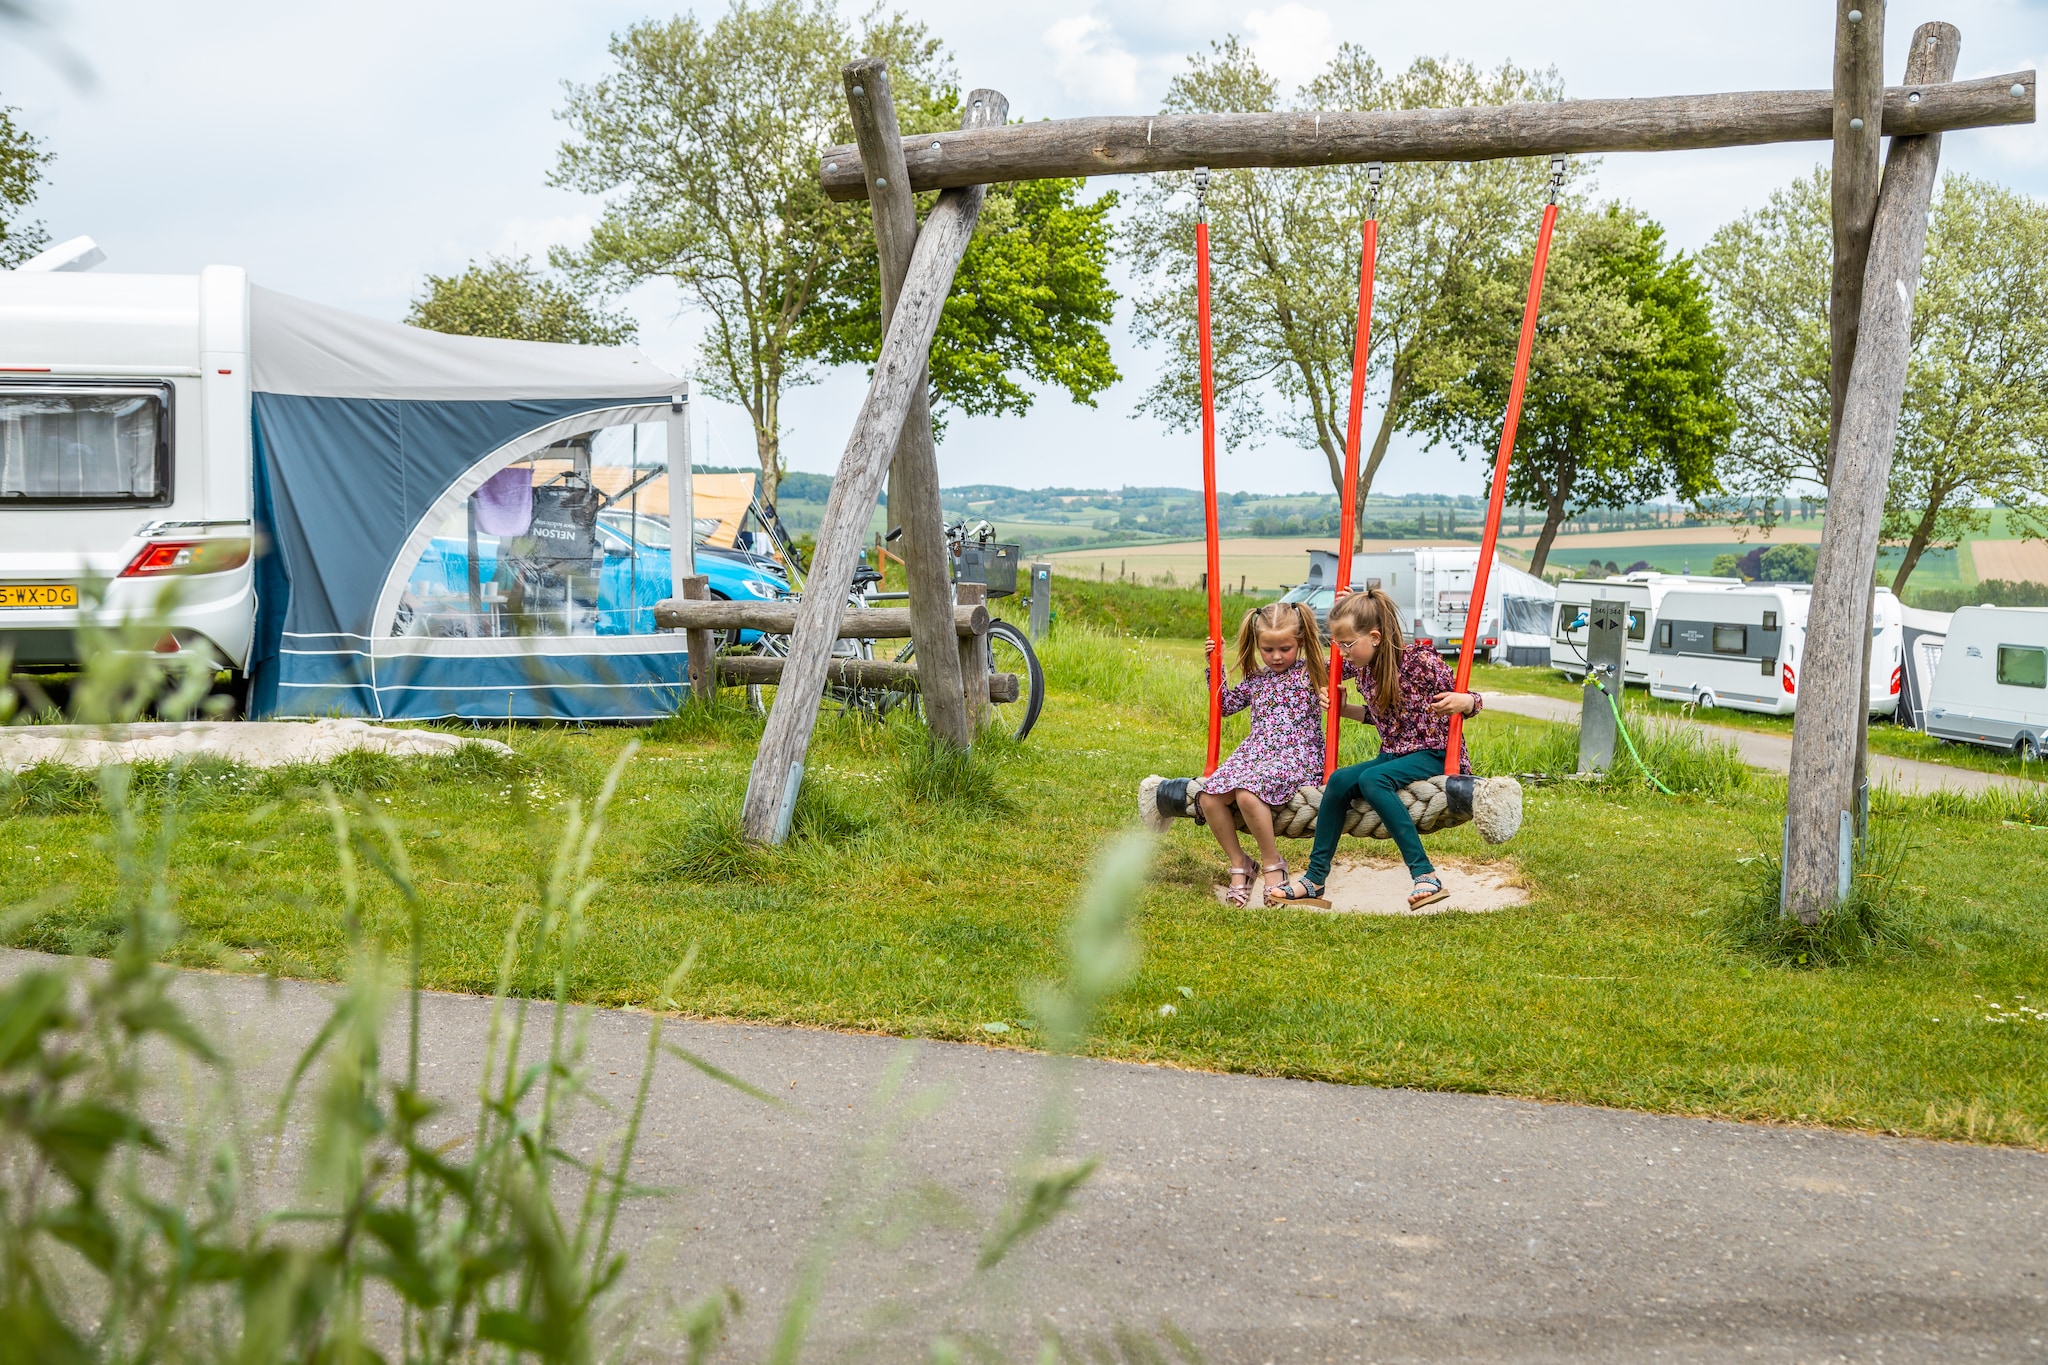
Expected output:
(1606, 648)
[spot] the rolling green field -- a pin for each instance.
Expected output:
(907, 910)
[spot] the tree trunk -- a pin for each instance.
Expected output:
(1916, 545)
(1833, 689)
(1397, 385)
(768, 442)
(1553, 517)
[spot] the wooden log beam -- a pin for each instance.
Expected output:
(780, 618)
(1825, 729)
(777, 773)
(914, 470)
(767, 668)
(974, 661)
(1181, 142)
(1858, 120)
(696, 588)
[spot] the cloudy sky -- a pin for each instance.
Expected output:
(342, 152)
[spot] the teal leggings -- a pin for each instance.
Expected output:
(1377, 780)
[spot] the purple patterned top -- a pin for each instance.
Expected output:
(1414, 727)
(1284, 751)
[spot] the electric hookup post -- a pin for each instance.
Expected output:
(1606, 648)
(1041, 599)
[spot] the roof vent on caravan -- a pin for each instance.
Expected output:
(80, 253)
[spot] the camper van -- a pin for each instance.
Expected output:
(1643, 592)
(358, 517)
(1434, 589)
(1741, 647)
(1992, 686)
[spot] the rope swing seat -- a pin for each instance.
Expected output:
(1492, 804)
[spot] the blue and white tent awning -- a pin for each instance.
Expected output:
(371, 439)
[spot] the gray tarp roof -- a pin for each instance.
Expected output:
(310, 349)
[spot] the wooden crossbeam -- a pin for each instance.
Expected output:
(776, 618)
(1180, 142)
(743, 669)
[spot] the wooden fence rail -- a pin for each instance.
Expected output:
(774, 618)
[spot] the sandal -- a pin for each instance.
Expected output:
(1298, 891)
(1420, 897)
(1240, 896)
(1266, 877)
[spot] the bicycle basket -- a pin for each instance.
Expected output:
(994, 564)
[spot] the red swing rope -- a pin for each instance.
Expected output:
(1214, 577)
(1475, 612)
(1347, 517)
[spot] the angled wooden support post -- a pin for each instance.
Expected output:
(703, 674)
(1820, 808)
(899, 375)
(914, 471)
(974, 660)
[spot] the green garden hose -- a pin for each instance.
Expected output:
(1593, 679)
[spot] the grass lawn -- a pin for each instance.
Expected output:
(924, 917)
(1885, 737)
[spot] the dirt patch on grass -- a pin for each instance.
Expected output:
(1380, 886)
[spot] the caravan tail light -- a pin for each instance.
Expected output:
(1491, 642)
(1898, 680)
(161, 557)
(1788, 679)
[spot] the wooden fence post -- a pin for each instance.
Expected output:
(778, 767)
(703, 669)
(974, 660)
(1821, 793)
(914, 471)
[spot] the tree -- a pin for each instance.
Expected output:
(1624, 398)
(1974, 431)
(1030, 298)
(1285, 247)
(504, 297)
(1974, 427)
(22, 163)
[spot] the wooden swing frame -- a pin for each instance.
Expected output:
(1880, 234)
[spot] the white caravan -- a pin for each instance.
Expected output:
(1742, 648)
(1433, 586)
(1643, 592)
(1992, 686)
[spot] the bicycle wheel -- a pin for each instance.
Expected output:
(1009, 651)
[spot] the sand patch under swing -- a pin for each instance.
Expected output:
(1380, 886)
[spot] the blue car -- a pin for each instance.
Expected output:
(633, 574)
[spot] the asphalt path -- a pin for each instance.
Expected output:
(1265, 1220)
(1774, 752)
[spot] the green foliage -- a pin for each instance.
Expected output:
(1624, 400)
(704, 140)
(1788, 564)
(1136, 610)
(505, 297)
(23, 164)
(1878, 919)
(933, 772)
(1685, 759)
(1286, 246)
(1997, 592)
(1972, 431)
(1030, 300)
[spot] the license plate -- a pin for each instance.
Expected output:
(38, 595)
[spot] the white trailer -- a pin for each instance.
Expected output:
(1742, 647)
(1642, 592)
(1433, 586)
(1992, 686)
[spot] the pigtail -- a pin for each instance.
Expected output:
(1312, 647)
(1366, 612)
(1247, 645)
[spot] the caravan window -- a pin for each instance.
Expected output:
(85, 445)
(2019, 666)
(1638, 623)
(1731, 639)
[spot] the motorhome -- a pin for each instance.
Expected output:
(1992, 686)
(1643, 592)
(1742, 647)
(1433, 586)
(354, 516)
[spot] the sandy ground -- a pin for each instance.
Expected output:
(2018, 560)
(1380, 886)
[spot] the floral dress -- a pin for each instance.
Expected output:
(1414, 727)
(1284, 751)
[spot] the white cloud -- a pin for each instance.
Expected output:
(1293, 42)
(1090, 61)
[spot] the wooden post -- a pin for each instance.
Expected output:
(703, 675)
(1332, 137)
(1831, 688)
(914, 471)
(974, 660)
(899, 369)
